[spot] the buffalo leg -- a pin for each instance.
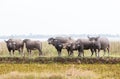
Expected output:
(108, 51)
(29, 52)
(79, 53)
(104, 52)
(98, 53)
(95, 50)
(92, 52)
(68, 52)
(83, 53)
(19, 51)
(10, 51)
(59, 52)
(40, 52)
(71, 53)
(13, 52)
(22, 52)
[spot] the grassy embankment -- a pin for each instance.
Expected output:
(48, 66)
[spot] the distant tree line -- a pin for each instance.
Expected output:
(47, 36)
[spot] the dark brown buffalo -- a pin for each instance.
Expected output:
(70, 48)
(60, 39)
(100, 43)
(32, 45)
(81, 45)
(14, 44)
(59, 43)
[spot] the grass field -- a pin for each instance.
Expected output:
(52, 67)
(59, 71)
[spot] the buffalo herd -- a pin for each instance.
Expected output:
(94, 44)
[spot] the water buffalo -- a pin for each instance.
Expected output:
(14, 44)
(100, 43)
(60, 39)
(70, 48)
(59, 43)
(81, 45)
(32, 45)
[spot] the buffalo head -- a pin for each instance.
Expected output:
(10, 43)
(50, 40)
(93, 39)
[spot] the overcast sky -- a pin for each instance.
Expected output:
(59, 17)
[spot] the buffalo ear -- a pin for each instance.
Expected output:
(6, 41)
(97, 38)
(52, 39)
(70, 38)
(88, 36)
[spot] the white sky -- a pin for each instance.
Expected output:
(59, 17)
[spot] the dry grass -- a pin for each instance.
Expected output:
(80, 73)
(59, 71)
(49, 75)
(115, 48)
(32, 75)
